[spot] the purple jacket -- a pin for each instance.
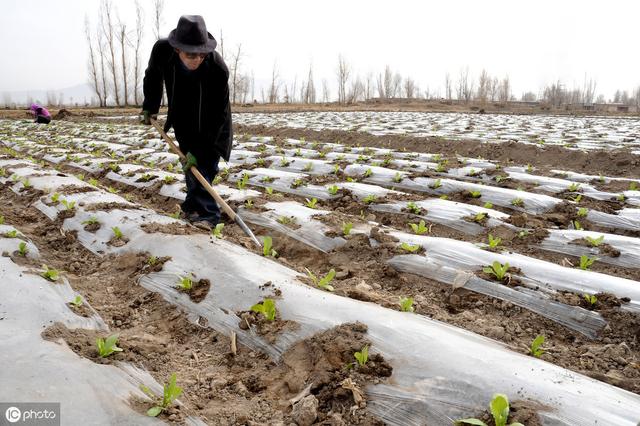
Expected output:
(39, 110)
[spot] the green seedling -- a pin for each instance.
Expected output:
(11, 234)
(217, 231)
(488, 205)
(350, 179)
(362, 159)
(112, 190)
(363, 356)
(311, 203)
(518, 202)
(297, 183)
(398, 177)
(582, 212)
(107, 346)
(595, 242)
(586, 262)
(242, 182)
(117, 232)
(497, 269)
(479, 217)
(574, 187)
(323, 282)
(147, 177)
(267, 247)
(267, 308)
(601, 179)
(248, 204)
(260, 162)
(436, 184)
(93, 182)
(621, 198)
(1, 220)
(333, 189)
(420, 228)
(413, 208)
(411, 248)
(268, 190)
(633, 186)
(577, 198)
(152, 260)
(26, 183)
(55, 198)
(267, 179)
(494, 242)
(22, 249)
(186, 282)
(367, 173)
(369, 199)
(523, 234)
(529, 168)
(168, 179)
(77, 301)
(50, 273)
(442, 168)
(175, 215)
(499, 407)
(91, 221)
(501, 178)
(115, 168)
(286, 220)
(475, 194)
(406, 304)
(216, 180)
(308, 167)
(591, 299)
(346, 228)
(284, 162)
(336, 169)
(69, 205)
(298, 153)
(536, 346)
(577, 226)
(171, 392)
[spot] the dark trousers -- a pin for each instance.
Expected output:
(198, 200)
(43, 119)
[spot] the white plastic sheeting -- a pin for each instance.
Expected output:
(282, 182)
(627, 218)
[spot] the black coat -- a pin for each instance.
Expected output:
(199, 109)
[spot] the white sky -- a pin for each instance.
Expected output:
(534, 42)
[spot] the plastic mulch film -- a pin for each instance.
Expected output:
(556, 185)
(143, 179)
(626, 218)
(443, 368)
(283, 181)
(534, 272)
(93, 164)
(297, 164)
(450, 214)
(559, 241)
(10, 239)
(579, 319)
(363, 190)
(305, 229)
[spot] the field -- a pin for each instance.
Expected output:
(444, 244)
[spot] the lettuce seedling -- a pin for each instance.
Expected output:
(523, 234)
(269, 190)
(69, 205)
(242, 183)
(413, 208)
(475, 194)
(267, 179)
(336, 169)
(494, 242)
(621, 198)
(488, 205)
(297, 183)
(420, 228)
(217, 231)
(633, 186)
(284, 162)
(574, 187)
(577, 198)
(363, 356)
(107, 346)
(22, 249)
(479, 217)
(308, 167)
(582, 212)
(591, 299)
(91, 221)
(152, 260)
(248, 204)
(1, 220)
(518, 202)
(586, 262)
(267, 308)
(171, 392)
(411, 248)
(323, 282)
(117, 232)
(311, 203)
(436, 184)
(11, 234)
(595, 242)
(529, 168)
(298, 153)
(26, 183)
(398, 177)
(267, 249)
(500, 178)
(367, 173)
(497, 269)
(406, 304)
(77, 301)
(186, 282)
(333, 189)
(112, 190)
(536, 346)
(577, 226)
(285, 220)
(168, 179)
(93, 182)
(50, 273)
(499, 408)
(369, 199)
(346, 228)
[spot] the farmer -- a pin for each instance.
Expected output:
(40, 113)
(196, 81)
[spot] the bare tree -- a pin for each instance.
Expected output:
(388, 83)
(234, 72)
(6, 99)
(343, 72)
(108, 31)
(136, 49)
(493, 90)
(356, 91)
(484, 86)
(274, 88)
(94, 75)
(504, 93)
(158, 9)
(368, 88)
(325, 91)
(464, 90)
(51, 98)
(409, 88)
(380, 87)
(447, 86)
(309, 96)
(528, 97)
(123, 40)
(589, 90)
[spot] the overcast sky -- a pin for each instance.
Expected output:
(535, 42)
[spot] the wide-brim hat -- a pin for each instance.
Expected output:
(191, 35)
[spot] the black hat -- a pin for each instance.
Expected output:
(191, 35)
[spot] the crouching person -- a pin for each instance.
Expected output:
(40, 113)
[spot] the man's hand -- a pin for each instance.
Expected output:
(189, 162)
(146, 118)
